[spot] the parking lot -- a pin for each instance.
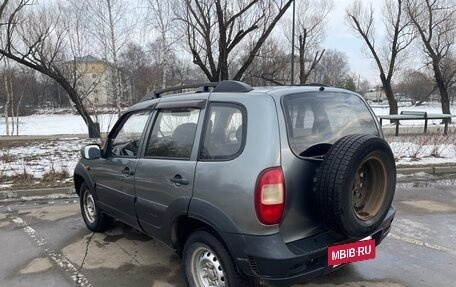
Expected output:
(45, 243)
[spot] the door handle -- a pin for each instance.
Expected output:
(178, 180)
(126, 171)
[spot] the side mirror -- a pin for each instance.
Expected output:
(91, 151)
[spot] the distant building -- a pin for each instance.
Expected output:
(95, 80)
(376, 96)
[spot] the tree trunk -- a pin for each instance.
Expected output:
(7, 104)
(117, 80)
(12, 104)
(9, 99)
(444, 98)
(74, 96)
(165, 59)
(223, 45)
(18, 106)
(60, 79)
(224, 74)
(389, 95)
(302, 60)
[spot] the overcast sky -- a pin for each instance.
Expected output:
(341, 37)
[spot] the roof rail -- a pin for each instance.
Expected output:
(316, 85)
(233, 86)
(158, 93)
(224, 86)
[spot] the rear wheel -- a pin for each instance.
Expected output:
(207, 262)
(356, 184)
(93, 218)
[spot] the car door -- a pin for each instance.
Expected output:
(114, 175)
(164, 177)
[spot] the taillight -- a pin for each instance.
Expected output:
(270, 196)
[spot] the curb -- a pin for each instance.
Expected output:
(43, 192)
(427, 169)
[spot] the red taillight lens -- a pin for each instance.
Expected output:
(270, 196)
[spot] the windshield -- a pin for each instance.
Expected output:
(316, 118)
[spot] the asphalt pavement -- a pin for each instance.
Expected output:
(43, 242)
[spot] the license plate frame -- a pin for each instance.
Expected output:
(364, 249)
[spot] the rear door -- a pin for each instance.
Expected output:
(164, 177)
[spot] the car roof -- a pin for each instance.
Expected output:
(274, 91)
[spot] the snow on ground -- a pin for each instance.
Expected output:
(408, 153)
(37, 158)
(430, 108)
(62, 124)
(67, 124)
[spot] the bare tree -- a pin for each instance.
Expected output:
(161, 18)
(35, 36)
(108, 22)
(388, 55)
(363, 85)
(139, 67)
(311, 27)
(435, 22)
(270, 65)
(15, 86)
(449, 71)
(216, 29)
(332, 69)
(416, 85)
(79, 69)
(9, 97)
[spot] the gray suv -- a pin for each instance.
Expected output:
(246, 184)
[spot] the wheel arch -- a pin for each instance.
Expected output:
(80, 176)
(209, 218)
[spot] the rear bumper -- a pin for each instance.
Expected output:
(269, 258)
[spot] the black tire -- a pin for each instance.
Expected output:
(94, 219)
(204, 249)
(356, 184)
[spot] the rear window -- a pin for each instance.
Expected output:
(323, 118)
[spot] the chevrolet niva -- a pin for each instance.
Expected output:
(246, 184)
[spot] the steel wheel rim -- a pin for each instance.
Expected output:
(206, 268)
(369, 188)
(89, 207)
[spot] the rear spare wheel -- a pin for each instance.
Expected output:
(355, 184)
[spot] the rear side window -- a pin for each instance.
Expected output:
(225, 130)
(316, 118)
(173, 133)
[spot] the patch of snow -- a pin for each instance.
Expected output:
(430, 108)
(46, 124)
(41, 158)
(63, 153)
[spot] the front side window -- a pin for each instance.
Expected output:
(225, 132)
(317, 118)
(126, 141)
(173, 133)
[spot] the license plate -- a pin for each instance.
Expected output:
(351, 252)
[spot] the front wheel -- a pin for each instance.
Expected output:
(93, 218)
(207, 263)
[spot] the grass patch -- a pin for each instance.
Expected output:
(53, 176)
